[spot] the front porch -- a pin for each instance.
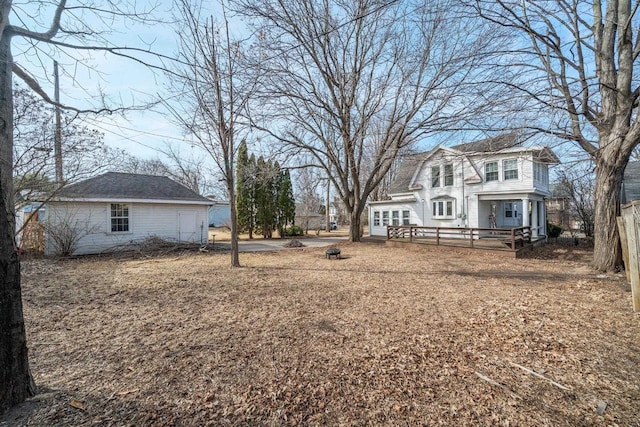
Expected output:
(495, 239)
(507, 211)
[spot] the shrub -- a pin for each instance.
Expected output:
(293, 230)
(553, 230)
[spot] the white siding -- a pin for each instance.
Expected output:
(470, 190)
(145, 220)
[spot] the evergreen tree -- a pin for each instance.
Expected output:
(245, 190)
(286, 203)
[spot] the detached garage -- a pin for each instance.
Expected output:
(112, 210)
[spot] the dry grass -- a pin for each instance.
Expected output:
(382, 337)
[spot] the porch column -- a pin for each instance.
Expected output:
(534, 220)
(525, 212)
(543, 217)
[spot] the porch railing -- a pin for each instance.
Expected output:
(512, 238)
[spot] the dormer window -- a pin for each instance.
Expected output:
(435, 176)
(510, 169)
(448, 175)
(491, 171)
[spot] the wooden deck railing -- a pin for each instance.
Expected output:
(513, 238)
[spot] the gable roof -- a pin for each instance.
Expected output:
(489, 145)
(506, 143)
(406, 173)
(631, 183)
(129, 186)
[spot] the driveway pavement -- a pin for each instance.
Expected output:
(259, 245)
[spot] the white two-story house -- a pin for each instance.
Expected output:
(491, 183)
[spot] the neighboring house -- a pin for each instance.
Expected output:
(559, 207)
(307, 219)
(337, 212)
(112, 210)
(492, 183)
(219, 213)
(630, 190)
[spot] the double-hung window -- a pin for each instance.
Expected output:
(385, 218)
(376, 218)
(395, 217)
(405, 217)
(510, 169)
(435, 176)
(491, 171)
(119, 218)
(448, 175)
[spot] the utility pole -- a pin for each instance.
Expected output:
(57, 140)
(327, 217)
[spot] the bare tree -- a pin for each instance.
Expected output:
(188, 171)
(353, 83)
(576, 183)
(578, 60)
(50, 29)
(214, 92)
(84, 153)
(309, 204)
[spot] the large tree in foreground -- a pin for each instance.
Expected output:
(352, 83)
(66, 29)
(578, 62)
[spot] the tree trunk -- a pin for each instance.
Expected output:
(16, 383)
(355, 228)
(235, 250)
(607, 252)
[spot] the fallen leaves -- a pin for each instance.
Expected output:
(383, 337)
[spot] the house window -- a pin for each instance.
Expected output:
(443, 208)
(510, 169)
(435, 176)
(119, 217)
(376, 219)
(510, 210)
(385, 218)
(540, 173)
(448, 175)
(405, 217)
(395, 217)
(491, 171)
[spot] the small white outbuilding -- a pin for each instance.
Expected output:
(113, 210)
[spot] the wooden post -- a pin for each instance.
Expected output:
(410, 233)
(437, 235)
(471, 236)
(625, 249)
(632, 240)
(513, 239)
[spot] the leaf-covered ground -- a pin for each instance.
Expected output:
(384, 336)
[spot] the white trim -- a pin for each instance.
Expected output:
(120, 200)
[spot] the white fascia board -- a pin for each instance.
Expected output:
(391, 202)
(119, 200)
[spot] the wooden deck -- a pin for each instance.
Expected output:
(510, 240)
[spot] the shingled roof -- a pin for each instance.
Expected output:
(631, 183)
(121, 186)
(405, 174)
(489, 145)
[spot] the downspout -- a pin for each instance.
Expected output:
(464, 216)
